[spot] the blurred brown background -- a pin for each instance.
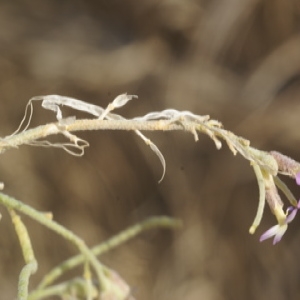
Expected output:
(238, 61)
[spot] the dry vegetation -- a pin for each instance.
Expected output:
(238, 61)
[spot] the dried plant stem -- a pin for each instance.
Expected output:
(43, 131)
(209, 127)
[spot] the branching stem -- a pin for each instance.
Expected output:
(14, 204)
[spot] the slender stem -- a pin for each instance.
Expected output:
(262, 198)
(31, 263)
(26, 272)
(283, 187)
(115, 241)
(31, 135)
(12, 203)
(76, 286)
(88, 281)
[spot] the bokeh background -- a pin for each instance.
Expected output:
(238, 61)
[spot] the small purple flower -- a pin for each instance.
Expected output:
(279, 230)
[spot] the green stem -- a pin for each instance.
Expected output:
(262, 197)
(27, 271)
(75, 286)
(283, 187)
(113, 242)
(88, 255)
(28, 254)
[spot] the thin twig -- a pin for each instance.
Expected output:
(14, 204)
(262, 198)
(283, 187)
(31, 263)
(115, 241)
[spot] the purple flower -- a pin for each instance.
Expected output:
(279, 230)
